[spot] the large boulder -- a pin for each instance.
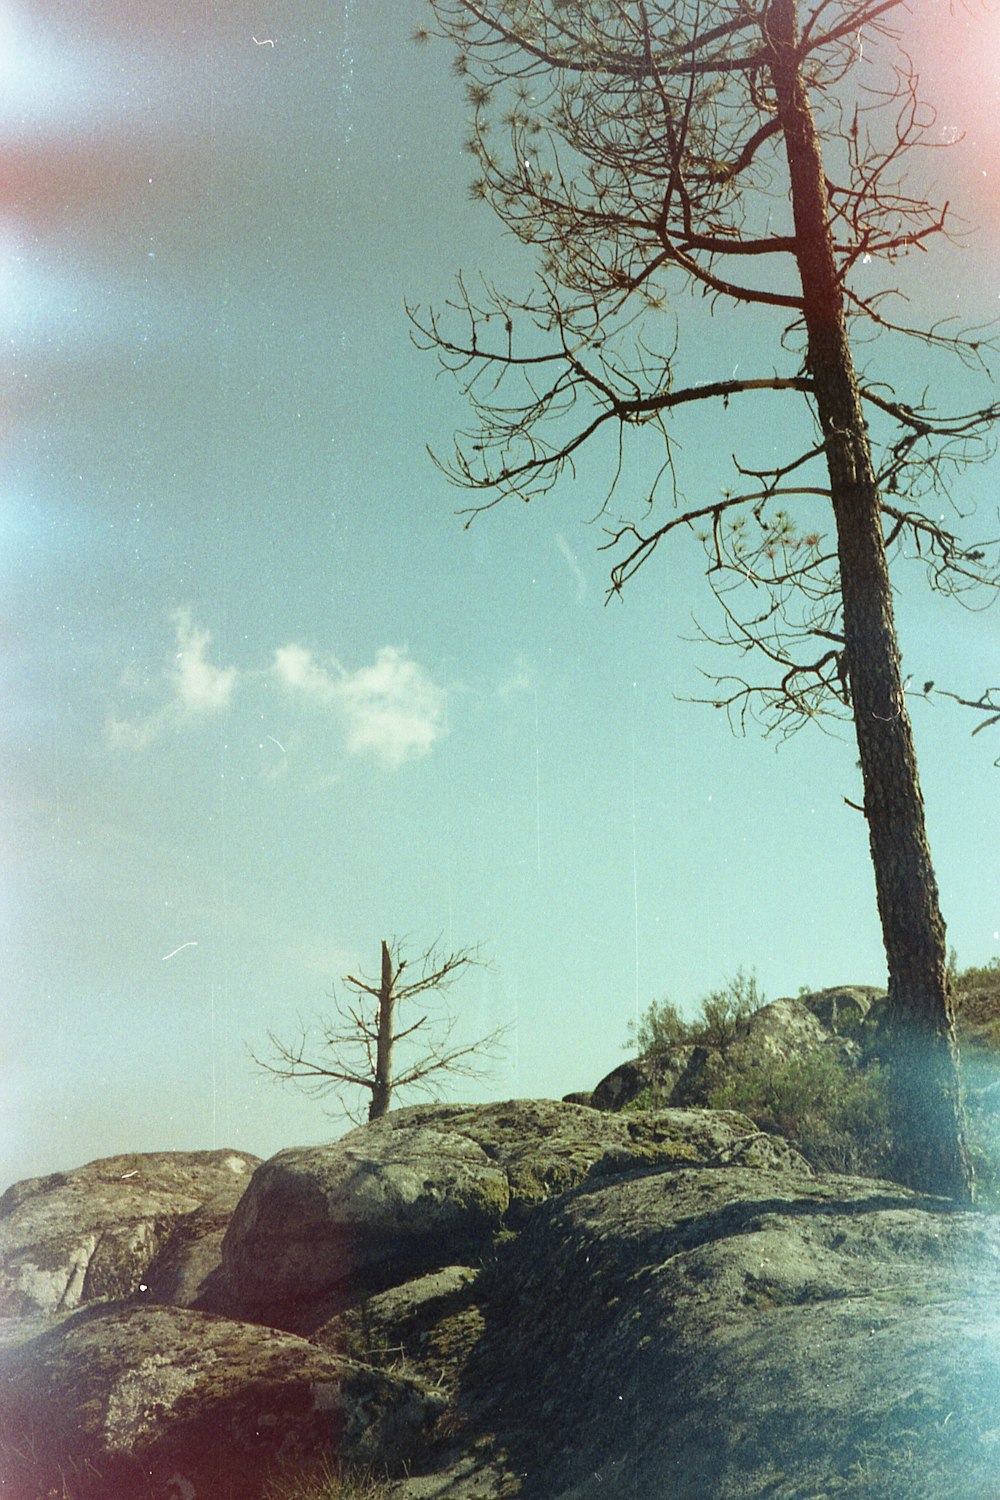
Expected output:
(844, 1008)
(685, 1075)
(322, 1227)
(735, 1334)
(93, 1233)
(185, 1265)
(125, 1400)
(643, 1080)
(782, 1030)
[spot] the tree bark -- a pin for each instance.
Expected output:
(382, 1082)
(922, 1057)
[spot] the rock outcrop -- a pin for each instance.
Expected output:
(530, 1299)
(122, 1401)
(95, 1232)
(427, 1187)
(686, 1074)
(698, 1334)
(844, 1008)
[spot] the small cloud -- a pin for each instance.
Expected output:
(521, 680)
(135, 734)
(393, 708)
(197, 687)
(296, 667)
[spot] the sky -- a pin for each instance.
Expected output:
(267, 700)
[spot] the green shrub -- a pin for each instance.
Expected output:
(721, 1020)
(985, 1159)
(661, 1027)
(724, 1012)
(982, 1123)
(987, 976)
(835, 1114)
(976, 992)
(648, 1098)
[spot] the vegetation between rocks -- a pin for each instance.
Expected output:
(833, 1105)
(677, 1234)
(721, 1019)
(325, 1481)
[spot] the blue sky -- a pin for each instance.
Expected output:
(267, 701)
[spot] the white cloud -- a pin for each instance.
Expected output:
(297, 667)
(522, 679)
(197, 687)
(393, 708)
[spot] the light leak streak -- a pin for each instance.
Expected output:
(175, 951)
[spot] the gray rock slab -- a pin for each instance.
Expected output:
(92, 1233)
(732, 1334)
(320, 1228)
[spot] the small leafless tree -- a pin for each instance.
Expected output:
(671, 159)
(359, 1049)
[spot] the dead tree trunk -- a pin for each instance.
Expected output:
(385, 1021)
(923, 1055)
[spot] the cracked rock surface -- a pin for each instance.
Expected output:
(94, 1232)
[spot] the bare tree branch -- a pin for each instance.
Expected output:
(644, 149)
(987, 703)
(359, 1049)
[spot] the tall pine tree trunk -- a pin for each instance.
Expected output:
(923, 1054)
